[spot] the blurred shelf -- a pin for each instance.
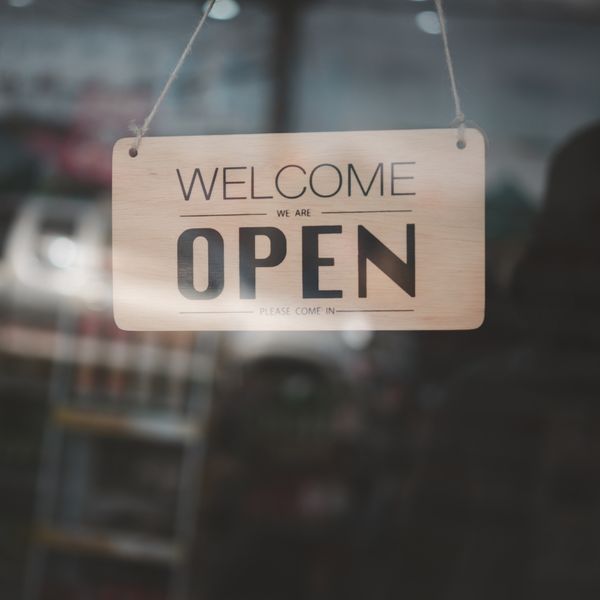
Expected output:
(158, 427)
(44, 344)
(119, 546)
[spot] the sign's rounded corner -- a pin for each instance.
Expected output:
(478, 322)
(476, 133)
(121, 323)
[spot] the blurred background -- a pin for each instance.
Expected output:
(299, 466)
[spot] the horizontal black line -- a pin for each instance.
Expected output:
(375, 310)
(407, 177)
(356, 212)
(217, 312)
(229, 215)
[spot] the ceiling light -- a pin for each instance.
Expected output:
(19, 3)
(224, 10)
(428, 22)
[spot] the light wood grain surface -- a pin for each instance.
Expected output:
(427, 182)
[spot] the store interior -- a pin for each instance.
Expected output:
(314, 465)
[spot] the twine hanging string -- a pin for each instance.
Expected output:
(459, 120)
(140, 132)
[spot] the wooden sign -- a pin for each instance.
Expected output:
(378, 230)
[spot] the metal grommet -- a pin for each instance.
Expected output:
(133, 152)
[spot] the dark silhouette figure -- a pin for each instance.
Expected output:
(509, 505)
(558, 282)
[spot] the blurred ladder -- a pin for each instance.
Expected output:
(186, 430)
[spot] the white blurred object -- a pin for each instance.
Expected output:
(62, 252)
(358, 340)
(429, 22)
(57, 249)
(224, 10)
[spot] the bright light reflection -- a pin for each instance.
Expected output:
(428, 22)
(224, 10)
(62, 252)
(357, 339)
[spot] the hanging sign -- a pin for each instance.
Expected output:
(378, 230)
